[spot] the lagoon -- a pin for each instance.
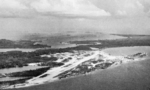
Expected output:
(62, 41)
(16, 49)
(19, 69)
(129, 76)
(124, 51)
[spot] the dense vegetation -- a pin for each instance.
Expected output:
(29, 73)
(19, 59)
(136, 41)
(4, 43)
(13, 82)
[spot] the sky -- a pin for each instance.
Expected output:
(19, 17)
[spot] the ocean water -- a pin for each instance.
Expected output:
(16, 49)
(19, 69)
(129, 76)
(56, 41)
(132, 76)
(128, 50)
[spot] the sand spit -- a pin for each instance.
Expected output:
(76, 63)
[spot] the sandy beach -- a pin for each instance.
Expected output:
(52, 75)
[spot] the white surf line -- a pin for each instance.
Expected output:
(74, 62)
(55, 71)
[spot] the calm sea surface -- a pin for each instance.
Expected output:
(56, 42)
(17, 49)
(129, 76)
(128, 50)
(18, 69)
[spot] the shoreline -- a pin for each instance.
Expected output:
(57, 79)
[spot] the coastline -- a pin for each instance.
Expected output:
(55, 80)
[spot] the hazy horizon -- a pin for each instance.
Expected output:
(20, 17)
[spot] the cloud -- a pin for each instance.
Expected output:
(74, 8)
(50, 7)
(13, 8)
(133, 8)
(124, 7)
(69, 7)
(11, 4)
(121, 12)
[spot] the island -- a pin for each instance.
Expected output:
(61, 63)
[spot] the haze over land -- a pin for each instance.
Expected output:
(74, 44)
(19, 17)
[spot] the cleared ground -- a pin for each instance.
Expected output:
(132, 76)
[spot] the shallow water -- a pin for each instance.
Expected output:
(18, 69)
(128, 50)
(11, 78)
(17, 49)
(56, 42)
(129, 76)
(57, 45)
